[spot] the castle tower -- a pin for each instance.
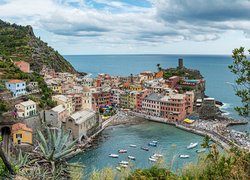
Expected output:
(180, 63)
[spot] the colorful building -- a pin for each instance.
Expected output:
(64, 100)
(23, 66)
(21, 134)
(26, 109)
(124, 99)
(17, 87)
(56, 116)
(173, 81)
(151, 105)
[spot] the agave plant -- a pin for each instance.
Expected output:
(56, 146)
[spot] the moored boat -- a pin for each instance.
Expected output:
(152, 144)
(152, 159)
(131, 157)
(118, 168)
(114, 155)
(155, 142)
(201, 150)
(144, 148)
(123, 162)
(122, 151)
(132, 145)
(192, 145)
(184, 156)
(158, 155)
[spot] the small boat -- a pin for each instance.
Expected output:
(152, 144)
(201, 150)
(155, 142)
(192, 145)
(144, 148)
(122, 151)
(118, 168)
(114, 155)
(152, 159)
(131, 157)
(123, 162)
(132, 145)
(184, 156)
(158, 155)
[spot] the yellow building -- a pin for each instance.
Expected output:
(56, 88)
(65, 101)
(21, 134)
(132, 99)
(136, 87)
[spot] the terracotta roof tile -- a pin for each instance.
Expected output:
(20, 126)
(15, 81)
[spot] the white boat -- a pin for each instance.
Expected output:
(118, 168)
(192, 145)
(201, 150)
(132, 145)
(131, 157)
(114, 155)
(152, 144)
(144, 148)
(155, 142)
(184, 156)
(158, 155)
(152, 159)
(123, 162)
(122, 151)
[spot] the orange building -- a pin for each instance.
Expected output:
(23, 66)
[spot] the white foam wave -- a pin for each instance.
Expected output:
(225, 106)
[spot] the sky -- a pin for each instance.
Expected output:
(135, 26)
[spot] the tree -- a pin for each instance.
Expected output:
(159, 67)
(241, 68)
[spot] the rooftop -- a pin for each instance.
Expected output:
(20, 126)
(58, 109)
(61, 98)
(154, 97)
(15, 81)
(28, 103)
(82, 116)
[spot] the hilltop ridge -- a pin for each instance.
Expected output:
(20, 43)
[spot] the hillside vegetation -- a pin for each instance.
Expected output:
(20, 43)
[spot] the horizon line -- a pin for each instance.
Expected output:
(145, 54)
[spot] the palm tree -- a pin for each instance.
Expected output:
(159, 67)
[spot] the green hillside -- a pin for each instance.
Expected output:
(20, 43)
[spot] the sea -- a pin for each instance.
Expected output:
(219, 85)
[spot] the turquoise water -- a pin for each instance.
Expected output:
(171, 143)
(218, 85)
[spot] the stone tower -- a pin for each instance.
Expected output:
(180, 63)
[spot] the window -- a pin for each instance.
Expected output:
(18, 135)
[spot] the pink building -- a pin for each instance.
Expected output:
(23, 66)
(139, 98)
(173, 81)
(151, 105)
(173, 107)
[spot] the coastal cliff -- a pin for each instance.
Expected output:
(20, 43)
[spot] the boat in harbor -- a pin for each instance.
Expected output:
(114, 155)
(124, 165)
(131, 157)
(201, 150)
(118, 168)
(158, 155)
(152, 159)
(152, 144)
(123, 162)
(155, 142)
(184, 156)
(132, 145)
(192, 145)
(122, 151)
(144, 148)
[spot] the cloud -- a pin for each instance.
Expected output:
(119, 22)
